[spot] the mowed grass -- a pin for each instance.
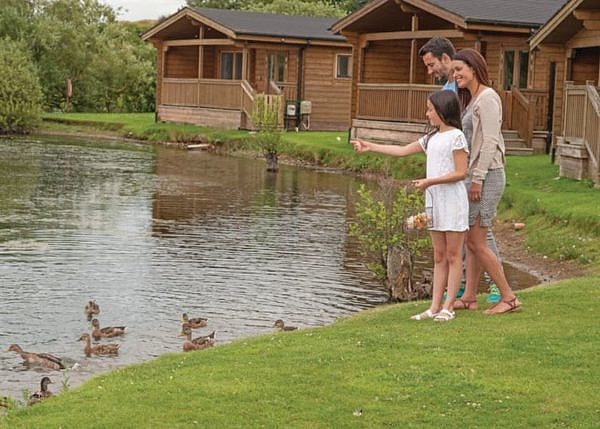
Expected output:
(536, 368)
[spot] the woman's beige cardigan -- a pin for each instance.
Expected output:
(487, 143)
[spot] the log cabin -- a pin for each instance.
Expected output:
(212, 63)
(390, 84)
(565, 61)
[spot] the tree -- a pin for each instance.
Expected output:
(20, 93)
(294, 7)
(266, 120)
(219, 4)
(388, 243)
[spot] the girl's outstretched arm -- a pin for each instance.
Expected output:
(388, 149)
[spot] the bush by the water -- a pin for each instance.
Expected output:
(20, 92)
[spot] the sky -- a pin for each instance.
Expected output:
(135, 10)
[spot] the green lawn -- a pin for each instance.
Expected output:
(536, 368)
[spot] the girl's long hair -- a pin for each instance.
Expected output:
(447, 106)
(477, 63)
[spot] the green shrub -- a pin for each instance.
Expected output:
(20, 92)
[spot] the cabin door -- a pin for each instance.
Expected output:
(276, 71)
(550, 110)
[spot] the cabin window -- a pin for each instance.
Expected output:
(231, 65)
(276, 66)
(515, 69)
(343, 66)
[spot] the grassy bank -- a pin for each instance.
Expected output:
(561, 215)
(537, 368)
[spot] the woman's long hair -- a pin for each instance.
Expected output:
(477, 63)
(447, 106)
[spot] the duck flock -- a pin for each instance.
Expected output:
(98, 333)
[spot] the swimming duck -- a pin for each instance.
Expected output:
(106, 332)
(281, 326)
(92, 309)
(42, 394)
(199, 343)
(196, 322)
(103, 349)
(44, 359)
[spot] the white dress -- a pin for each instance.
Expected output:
(447, 203)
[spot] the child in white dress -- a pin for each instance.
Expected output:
(446, 199)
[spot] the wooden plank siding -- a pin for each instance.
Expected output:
(330, 97)
(181, 62)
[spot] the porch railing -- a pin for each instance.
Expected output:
(524, 110)
(582, 120)
(216, 93)
(393, 102)
(522, 116)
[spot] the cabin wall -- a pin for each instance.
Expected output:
(539, 78)
(386, 61)
(330, 97)
(181, 62)
(584, 65)
(209, 62)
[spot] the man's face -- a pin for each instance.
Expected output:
(439, 69)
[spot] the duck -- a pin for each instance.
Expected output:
(43, 359)
(196, 322)
(106, 332)
(103, 349)
(282, 327)
(92, 309)
(42, 394)
(199, 343)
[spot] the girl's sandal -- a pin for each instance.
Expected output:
(427, 314)
(444, 316)
(513, 305)
(465, 304)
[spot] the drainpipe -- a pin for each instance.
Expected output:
(300, 82)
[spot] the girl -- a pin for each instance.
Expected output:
(486, 179)
(445, 195)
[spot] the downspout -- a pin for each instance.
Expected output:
(300, 82)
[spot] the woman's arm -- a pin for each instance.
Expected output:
(459, 173)
(387, 149)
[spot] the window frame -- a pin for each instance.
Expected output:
(336, 73)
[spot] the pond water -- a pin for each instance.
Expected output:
(151, 232)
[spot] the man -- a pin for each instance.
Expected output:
(437, 56)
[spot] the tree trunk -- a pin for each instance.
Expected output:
(271, 161)
(399, 274)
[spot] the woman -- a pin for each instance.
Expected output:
(482, 124)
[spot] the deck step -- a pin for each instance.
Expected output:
(510, 150)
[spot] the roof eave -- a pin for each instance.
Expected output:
(188, 11)
(552, 23)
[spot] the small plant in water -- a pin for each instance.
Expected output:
(266, 119)
(386, 240)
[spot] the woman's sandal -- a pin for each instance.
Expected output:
(444, 316)
(513, 306)
(465, 304)
(427, 314)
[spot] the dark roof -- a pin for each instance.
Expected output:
(270, 24)
(529, 13)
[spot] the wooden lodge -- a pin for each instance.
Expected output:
(566, 53)
(390, 84)
(212, 63)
